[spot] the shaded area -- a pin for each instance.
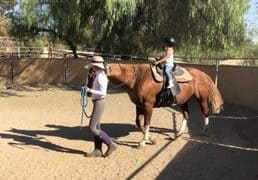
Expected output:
(132, 175)
(205, 161)
(228, 151)
(234, 126)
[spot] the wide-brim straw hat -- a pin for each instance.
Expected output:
(98, 61)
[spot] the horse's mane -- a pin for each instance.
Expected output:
(134, 66)
(133, 70)
(214, 94)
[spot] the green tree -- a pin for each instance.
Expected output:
(3, 25)
(196, 24)
(77, 22)
(5, 9)
(136, 26)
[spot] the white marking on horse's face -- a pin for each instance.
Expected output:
(108, 69)
(88, 66)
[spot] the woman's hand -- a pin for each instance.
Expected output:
(88, 90)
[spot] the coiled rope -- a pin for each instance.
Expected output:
(84, 103)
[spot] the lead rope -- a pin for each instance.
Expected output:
(84, 103)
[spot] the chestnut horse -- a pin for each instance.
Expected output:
(142, 89)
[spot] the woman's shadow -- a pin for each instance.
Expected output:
(23, 137)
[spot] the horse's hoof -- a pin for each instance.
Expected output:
(178, 135)
(204, 132)
(153, 141)
(140, 146)
(185, 136)
(170, 138)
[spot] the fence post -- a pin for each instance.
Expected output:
(217, 72)
(11, 71)
(19, 50)
(65, 70)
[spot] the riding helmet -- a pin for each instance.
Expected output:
(169, 41)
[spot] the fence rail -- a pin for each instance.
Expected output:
(236, 83)
(48, 52)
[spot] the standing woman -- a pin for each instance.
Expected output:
(99, 91)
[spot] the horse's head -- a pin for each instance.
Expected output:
(115, 71)
(96, 64)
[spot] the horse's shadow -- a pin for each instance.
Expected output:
(39, 138)
(76, 132)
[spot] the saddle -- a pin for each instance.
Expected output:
(180, 73)
(168, 96)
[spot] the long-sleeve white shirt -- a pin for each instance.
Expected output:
(100, 83)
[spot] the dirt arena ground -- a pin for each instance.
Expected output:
(40, 138)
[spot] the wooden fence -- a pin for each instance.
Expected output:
(238, 84)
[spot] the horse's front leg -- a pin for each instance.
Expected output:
(205, 125)
(146, 128)
(139, 119)
(140, 123)
(186, 116)
(205, 111)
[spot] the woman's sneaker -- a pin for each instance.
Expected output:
(111, 147)
(95, 153)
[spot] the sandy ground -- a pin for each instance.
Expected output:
(40, 138)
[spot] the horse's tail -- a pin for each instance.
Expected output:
(215, 97)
